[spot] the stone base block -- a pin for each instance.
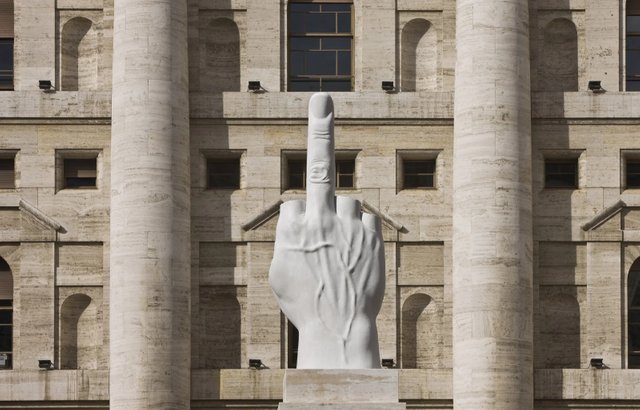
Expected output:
(341, 390)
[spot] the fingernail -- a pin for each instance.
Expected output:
(320, 105)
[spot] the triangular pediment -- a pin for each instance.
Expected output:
(263, 225)
(607, 217)
(25, 223)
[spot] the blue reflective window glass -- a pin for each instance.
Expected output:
(344, 63)
(296, 63)
(336, 43)
(304, 43)
(633, 43)
(304, 85)
(633, 63)
(336, 7)
(633, 24)
(321, 63)
(344, 23)
(320, 23)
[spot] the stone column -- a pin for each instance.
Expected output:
(492, 242)
(150, 201)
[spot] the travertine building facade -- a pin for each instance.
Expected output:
(140, 192)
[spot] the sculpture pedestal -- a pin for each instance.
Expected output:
(341, 390)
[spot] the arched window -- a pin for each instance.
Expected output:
(6, 44)
(419, 56)
(420, 332)
(78, 333)
(633, 46)
(560, 56)
(633, 317)
(220, 67)
(79, 67)
(6, 315)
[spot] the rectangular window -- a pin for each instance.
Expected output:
(345, 173)
(633, 50)
(223, 173)
(6, 45)
(297, 173)
(561, 173)
(418, 173)
(320, 47)
(632, 177)
(7, 171)
(80, 173)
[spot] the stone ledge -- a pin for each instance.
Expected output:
(55, 385)
(587, 384)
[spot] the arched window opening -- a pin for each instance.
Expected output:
(78, 55)
(419, 56)
(220, 69)
(6, 45)
(633, 46)
(6, 316)
(418, 332)
(78, 333)
(633, 316)
(560, 56)
(221, 321)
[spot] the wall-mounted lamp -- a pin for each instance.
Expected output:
(45, 364)
(256, 364)
(254, 86)
(45, 85)
(388, 86)
(597, 363)
(596, 87)
(388, 363)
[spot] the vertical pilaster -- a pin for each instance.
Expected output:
(492, 243)
(150, 197)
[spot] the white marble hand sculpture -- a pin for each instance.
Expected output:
(328, 265)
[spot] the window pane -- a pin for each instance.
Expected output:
(336, 85)
(5, 338)
(344, 23)
(320, 23)
(633, 63)
(296, 63)
(344, 63)
(633, 43)
(634, 337)
(321, 63)
(6, 317)
(336, 7)
(633, 24)
(293, 7)
(223, 173)
(345, 181)
(633, 180)
(6, 54)
(336, 43)
(304, 43)
(634, 361)
(633, 86)
(412, 167)
(345, 166)
(296, 23)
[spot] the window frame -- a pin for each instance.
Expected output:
(10, 73)
(415, 155)
(63, 155)
(10, 155)
(292, 79)
(238, 155)
(635, 78)
(576, 174)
